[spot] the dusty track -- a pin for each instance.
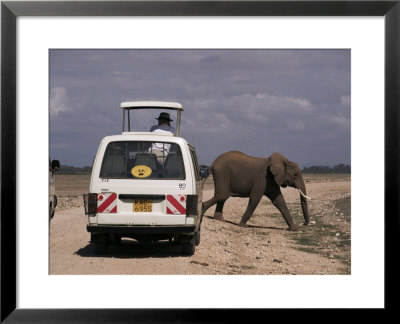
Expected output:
(266, 247)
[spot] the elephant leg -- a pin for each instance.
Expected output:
(207, 204)
(280, 203)
(253, 203)
(218, 211)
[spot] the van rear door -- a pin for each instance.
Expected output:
(143, 183)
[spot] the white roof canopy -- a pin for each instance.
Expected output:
(151, 104)
(127, 106)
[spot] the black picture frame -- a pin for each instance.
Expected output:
(10, 10)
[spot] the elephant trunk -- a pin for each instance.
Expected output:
(303, 199)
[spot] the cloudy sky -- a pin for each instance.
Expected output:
(296, 102)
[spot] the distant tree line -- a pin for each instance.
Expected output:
(340, 168)
(67, 169)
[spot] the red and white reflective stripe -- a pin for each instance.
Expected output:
(107, 202)
(176, 204)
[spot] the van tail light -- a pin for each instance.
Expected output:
(191, 205)
(90, 203)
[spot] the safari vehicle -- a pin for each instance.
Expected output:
(136, 194)
(53, 166)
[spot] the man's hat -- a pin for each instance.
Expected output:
(164, 116)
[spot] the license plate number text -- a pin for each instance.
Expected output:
(142, 206)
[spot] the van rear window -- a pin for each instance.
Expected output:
(142, 160)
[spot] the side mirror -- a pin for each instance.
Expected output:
(204, 171)
(55, 165)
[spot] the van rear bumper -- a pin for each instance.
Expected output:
(141, 229)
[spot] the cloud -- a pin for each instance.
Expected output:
(339, 121)
(345, 100)
(206, 117)
(122, 73)
(210, 59)
(58, 101)
(262, 108)
(267, 102)
(250, 113)
(296, 125)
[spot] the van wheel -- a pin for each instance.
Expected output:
(51, 212)
(115, 239)
(99, 243)
(100, 247)
(197, 238)
(189, 248)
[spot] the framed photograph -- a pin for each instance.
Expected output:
(350, 49)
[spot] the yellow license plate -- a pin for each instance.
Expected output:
(142, 205)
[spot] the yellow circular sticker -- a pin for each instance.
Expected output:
(141, 171)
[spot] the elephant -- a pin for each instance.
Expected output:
(239, 175)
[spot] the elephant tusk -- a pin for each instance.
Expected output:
(304, 196)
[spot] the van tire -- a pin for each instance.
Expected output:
(115, 239)
(99, 243)
(51, 212)
(197, 238)
(100, 247)
(189, 248)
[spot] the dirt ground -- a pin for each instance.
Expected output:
(265, 247)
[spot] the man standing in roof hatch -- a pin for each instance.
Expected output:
(163, 127)
(164, 124)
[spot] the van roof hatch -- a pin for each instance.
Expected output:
(130, 105)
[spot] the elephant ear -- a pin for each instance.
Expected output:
(277, 167)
